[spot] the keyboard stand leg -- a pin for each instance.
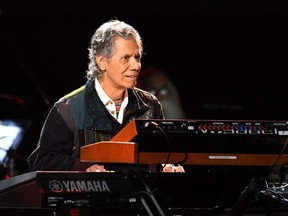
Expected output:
(153, 207)
(150, 210)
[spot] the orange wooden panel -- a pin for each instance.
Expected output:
(113, 152)
(127, 133)
(213, 159)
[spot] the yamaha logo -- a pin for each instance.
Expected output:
(55, 186)
(78, 186)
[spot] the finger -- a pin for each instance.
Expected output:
(168, 168)
(179, 169)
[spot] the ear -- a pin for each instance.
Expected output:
(101, 62)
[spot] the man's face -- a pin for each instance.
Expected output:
(122, 70)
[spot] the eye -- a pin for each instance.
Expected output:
(126, 58)
(138, 58)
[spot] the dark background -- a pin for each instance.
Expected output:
(228, 59)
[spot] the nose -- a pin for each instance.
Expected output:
(135, 64)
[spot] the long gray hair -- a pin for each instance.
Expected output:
(102, 43)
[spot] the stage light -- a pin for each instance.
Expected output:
(11, 134)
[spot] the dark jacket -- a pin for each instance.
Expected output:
(80, 118)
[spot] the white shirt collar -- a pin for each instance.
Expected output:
(102, 94)
(109, 103)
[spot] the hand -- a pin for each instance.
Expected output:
(171, 168)
(97, 168)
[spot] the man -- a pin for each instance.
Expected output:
(102, 107)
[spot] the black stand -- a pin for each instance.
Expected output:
(249, 194)
(151, 205)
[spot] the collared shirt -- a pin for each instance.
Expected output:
(110, 104)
